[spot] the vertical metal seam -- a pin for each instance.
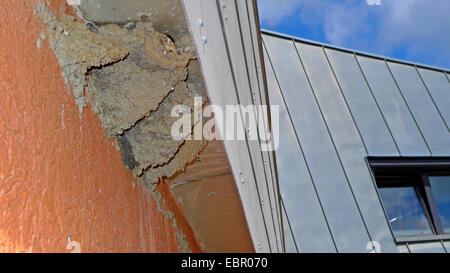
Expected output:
(432, 99)
(407, 247)
(378, 106)
(289, 225)
(333, 143)
(262, 76)
(257, 126)
(237, 96)
(273, 171)
(301, 149)
(360, 136)
(259, 92)
(443, 245)
(345, 100)
(407, 106)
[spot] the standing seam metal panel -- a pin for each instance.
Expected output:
(239, 63)
(258, 57)
(447, 246)
(309, 225)
(404, 129)
(434, 247)
(319, 150)
(207, 32)
(438, 86)
(257, 91)
(403, 248)
(290, 243)
(349, 145)
(408, 111)
(375, 133)
(429, 122)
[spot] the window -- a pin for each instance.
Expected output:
(404, 211)
(440, 186)
(415, 193)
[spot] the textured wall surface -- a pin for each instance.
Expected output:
(60, 177)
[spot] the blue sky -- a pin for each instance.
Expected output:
(413, 30)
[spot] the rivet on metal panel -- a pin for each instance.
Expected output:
(240, 175)
(225, 17)
(259, 245)
(204, 39)
(262, 202)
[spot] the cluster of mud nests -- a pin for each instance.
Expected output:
(132, 76)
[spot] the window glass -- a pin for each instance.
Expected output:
(440, 186)
(404, 211)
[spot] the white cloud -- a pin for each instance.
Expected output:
(373, 2)
(421, 24)
(419, 27)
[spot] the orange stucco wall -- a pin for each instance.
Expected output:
(59, 175)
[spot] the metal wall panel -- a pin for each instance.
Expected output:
(342, 107)
(367, 115)
(403, 249)
(346, 224)
(253, 38)
(403, 127)
(439, 88)
(290, 245)
(447, 246)
(238, 58)
(348, 143)
(435, 247)
(205, 23)
(428, 119)
(300, 198)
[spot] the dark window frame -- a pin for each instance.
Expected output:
(415, 172)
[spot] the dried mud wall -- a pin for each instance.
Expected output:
(62, 182)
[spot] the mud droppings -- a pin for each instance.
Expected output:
(133, 77)
(78, 49)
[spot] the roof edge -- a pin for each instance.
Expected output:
(348, 50)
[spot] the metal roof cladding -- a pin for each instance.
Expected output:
(337, 107)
